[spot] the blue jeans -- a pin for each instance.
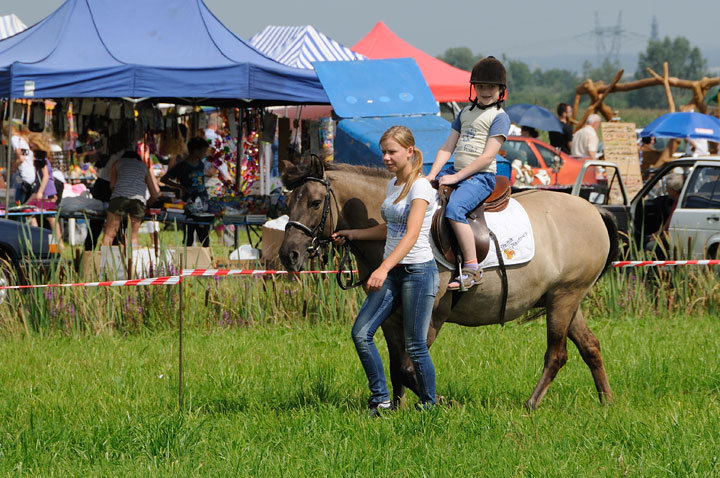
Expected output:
(469, 194)
(412, 286)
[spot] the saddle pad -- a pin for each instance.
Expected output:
(514, 233)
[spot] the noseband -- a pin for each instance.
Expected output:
(314, 233)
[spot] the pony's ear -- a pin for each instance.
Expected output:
(289, 173)
(318, 166)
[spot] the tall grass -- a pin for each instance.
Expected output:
(247, 300)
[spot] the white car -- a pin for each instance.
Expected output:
(694, 219)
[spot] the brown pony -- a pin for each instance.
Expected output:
(574, 244)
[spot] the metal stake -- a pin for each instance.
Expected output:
(180, 348)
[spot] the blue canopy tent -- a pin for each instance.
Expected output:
(299, 46)
(374, 95)
(146, 48)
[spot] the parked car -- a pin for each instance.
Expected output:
(23, 247)
(560, 167)
(693, 225)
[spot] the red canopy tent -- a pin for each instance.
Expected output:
(446, 82)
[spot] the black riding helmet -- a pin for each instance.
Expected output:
(488, 70)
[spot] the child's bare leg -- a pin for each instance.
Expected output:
(470, 273)
(466, 240)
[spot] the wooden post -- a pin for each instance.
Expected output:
(668, 92)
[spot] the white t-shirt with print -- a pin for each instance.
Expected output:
(396, 216)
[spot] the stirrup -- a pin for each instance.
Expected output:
(466, 279)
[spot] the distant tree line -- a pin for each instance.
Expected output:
(552, 86)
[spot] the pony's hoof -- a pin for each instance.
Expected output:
(530, 406)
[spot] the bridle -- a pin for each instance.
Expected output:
(318, 242)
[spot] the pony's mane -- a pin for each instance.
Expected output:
(300, 171)
(362, 170)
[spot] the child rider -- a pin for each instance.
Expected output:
(476, 136)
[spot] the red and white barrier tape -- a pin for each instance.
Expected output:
(242, 272)
(704, 262)
(168, 280)
(173, 280)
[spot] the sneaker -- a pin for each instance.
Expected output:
(377, 409)
(467, 279)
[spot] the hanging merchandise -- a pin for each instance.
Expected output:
(101, 107)
(327, 138)
(249, 163)
(36, 123)
(115, 111)
(86, 106)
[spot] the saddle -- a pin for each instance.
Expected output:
(442, 232)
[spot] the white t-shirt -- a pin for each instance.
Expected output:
(26, 169)
(396, 215)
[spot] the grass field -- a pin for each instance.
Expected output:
(289, 400)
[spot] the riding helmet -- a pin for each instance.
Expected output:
(489, 70)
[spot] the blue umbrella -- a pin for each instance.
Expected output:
(535, 116)
(684, 125)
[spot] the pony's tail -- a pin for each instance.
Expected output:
(612, 230)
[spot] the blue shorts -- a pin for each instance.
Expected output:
(469, 194)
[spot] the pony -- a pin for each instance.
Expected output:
(575, 242)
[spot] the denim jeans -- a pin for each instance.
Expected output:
(412, 286)
(469, 194)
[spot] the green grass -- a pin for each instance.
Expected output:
(289, 400)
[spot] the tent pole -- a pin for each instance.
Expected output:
(9, 159)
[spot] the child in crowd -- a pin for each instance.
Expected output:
(476, 137)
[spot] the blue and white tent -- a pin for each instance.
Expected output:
(10, 25)
(300, 46)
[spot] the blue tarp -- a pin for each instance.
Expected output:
(356, 141)
(145, 48)
(376, 88)
(374, 95)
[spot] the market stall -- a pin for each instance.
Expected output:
(108, 67)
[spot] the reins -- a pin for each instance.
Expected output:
(318, 242)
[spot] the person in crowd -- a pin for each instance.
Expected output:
(407, 276)
(695, 147)
(564, 139)
(101, 190)
(648, 155)
(476, 137)
(188, 176)
(585, 141)
(23, 178)
(46, 194)
(660, 241)
(130, 181)
(528, 132)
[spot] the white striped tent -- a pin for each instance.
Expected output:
(300, 46)
(10, 25)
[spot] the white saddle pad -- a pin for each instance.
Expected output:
(514, 233)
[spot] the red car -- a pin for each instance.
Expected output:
(541, 156)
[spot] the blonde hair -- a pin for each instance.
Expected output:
(40, 141)
(404, 137)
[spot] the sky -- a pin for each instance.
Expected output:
(542, 33)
